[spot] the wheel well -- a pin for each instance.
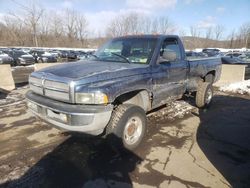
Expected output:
(139, 98)
(211, 72)
(208, 78)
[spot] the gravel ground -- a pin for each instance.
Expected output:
(184, 147)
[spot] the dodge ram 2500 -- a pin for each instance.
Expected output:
(110, 92)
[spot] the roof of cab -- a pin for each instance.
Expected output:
(158, 36)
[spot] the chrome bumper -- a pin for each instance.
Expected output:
(81, 118)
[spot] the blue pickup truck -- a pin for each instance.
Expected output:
(111, 92)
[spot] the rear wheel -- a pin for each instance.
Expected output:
(127, 127)
(204, 94)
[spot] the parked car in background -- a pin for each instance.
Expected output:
(81, 55)
(245, 57)
(20, 57)
(237, 61)
(48, 58)
(37, 54)
(212, 52)
(64, 53)
(72, 55)
(195, 55)
(234, 54)
(56, 53)
(43, 57)
(6, 59)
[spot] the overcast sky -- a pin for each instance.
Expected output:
(184, 13)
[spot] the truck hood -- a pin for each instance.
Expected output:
(93, 71)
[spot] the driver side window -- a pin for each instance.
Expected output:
(170, 51)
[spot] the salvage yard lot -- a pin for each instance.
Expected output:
(184, 147)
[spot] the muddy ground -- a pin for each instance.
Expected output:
(184, 147)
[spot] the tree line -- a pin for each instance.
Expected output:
(36, 26)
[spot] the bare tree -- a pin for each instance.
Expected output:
(44, 28)
(244, 34)
(195, 34)
(32, 15)
(208, 34)
(133, 21)
(15, 30)
(81, 26)
(182, 32)
(115, 28)
(155, 26)
(218, 31)
(146, 25)
(32, 25)
(56, 28)
(232, 38)
(194, 31)
(124, 24)
(71, 23)
(164, 25)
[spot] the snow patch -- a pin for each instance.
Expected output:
(238, 87)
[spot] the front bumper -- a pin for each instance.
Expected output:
(26, 62)
(90, 119)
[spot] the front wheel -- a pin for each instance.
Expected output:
(204, 94)
(127, 127)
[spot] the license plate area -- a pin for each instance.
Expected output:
(57, 116)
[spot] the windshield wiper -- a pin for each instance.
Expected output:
(123, 57)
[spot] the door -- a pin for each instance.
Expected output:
(169, 74)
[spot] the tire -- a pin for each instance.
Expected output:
(204, 94)
(17, 63)
(127, 127)
(40, 60)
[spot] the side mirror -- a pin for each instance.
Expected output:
(169, 56)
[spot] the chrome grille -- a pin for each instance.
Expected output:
(50, 88)
(36, 89)
(35, 81)
(56, 94)
(56, 85)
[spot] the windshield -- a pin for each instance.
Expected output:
(127, 50)
(20, 53)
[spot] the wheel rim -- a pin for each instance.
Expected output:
(209, 96)
(133, 130)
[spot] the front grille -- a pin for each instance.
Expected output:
(36, 89)
(56, 85)
(49, 88)
(29, 60)
(56, 94)
(35, 81)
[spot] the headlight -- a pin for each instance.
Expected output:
(91, 98)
